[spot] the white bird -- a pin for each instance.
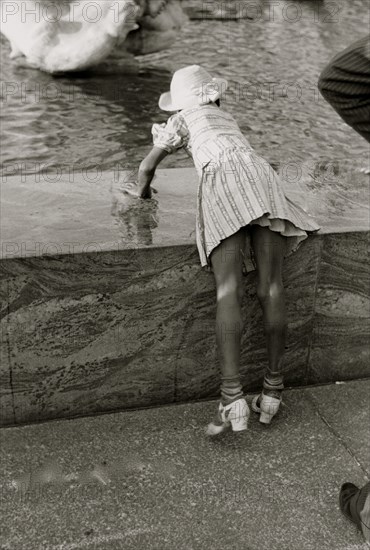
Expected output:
(59, 36)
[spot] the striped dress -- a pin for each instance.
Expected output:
(236, 187)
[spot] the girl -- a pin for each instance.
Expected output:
(243, 219)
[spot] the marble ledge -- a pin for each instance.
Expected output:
(48, 216)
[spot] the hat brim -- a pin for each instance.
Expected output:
(166, 102)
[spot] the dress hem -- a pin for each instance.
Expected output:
(291, 247)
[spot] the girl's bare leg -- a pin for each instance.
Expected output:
(227, 261)
(269, 247)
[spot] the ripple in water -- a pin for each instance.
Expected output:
(272, 61)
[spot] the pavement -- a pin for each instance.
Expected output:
(151, 479)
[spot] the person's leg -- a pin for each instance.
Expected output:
(227, 261)
(345, 84)
(269, 247)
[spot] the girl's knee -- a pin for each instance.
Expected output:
(230, 289)
(270, 290)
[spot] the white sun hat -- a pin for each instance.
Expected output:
(192, 86)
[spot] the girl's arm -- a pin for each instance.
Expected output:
(147, 170)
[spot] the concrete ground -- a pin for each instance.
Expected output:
(150, 479)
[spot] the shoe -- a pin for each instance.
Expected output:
(355, 505)
(267, 406)
(348, 501)
(234, 415)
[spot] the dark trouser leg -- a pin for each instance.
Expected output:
(345, 84)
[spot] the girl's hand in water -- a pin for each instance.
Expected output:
(140, 192)
(146, 192)
(140, 188)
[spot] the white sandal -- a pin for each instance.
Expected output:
(267, 408)
(235, 415)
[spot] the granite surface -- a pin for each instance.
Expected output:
(341, 322)
(346, 409)
(152, 479)
(105, 306)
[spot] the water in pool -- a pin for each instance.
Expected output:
(271, 60)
